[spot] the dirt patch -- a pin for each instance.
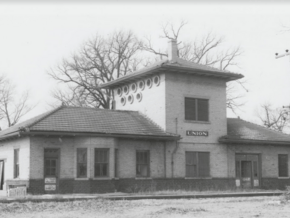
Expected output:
(242, 207)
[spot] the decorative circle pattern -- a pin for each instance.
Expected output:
(149, 82)
(123, 100)
(130, 99)
(139, 96)
(126, 89)
(156, 80)
(119, 91)
(134, 87)
(141, 85)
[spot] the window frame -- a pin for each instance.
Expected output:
(195, 114)
(148, 173)
(107, 150)
(197, 164)
(78, 163)
(286, 164)
(16, 163)
(116, 159)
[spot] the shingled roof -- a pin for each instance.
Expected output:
(78, 120)
(241, 131)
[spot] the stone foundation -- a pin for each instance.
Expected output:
(133, 185)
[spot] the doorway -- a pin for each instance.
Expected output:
(51, 170)
(247, 170)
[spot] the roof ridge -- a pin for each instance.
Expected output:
(272, 130)
(101, 109)
(45, 116)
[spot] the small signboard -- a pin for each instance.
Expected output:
(17, 191)
(50, 187)
(256, 182)
(196, 133)
(50, 180)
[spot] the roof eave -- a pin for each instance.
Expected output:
(251, 141)
(100, 134)
(11, 136)
(167, 68)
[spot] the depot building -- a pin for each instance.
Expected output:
(168, 130)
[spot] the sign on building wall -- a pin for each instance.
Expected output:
(50, 180)
(50, 187)
(196, 133)
(50, 184)
(17, 191)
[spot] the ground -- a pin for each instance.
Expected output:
(238, 207)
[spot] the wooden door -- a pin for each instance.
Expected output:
(51, 170)
(246, 174)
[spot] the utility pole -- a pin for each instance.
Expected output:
(282, 55)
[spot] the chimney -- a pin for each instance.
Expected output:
(172, 50)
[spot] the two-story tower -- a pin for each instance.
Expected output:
(183, 98)
(180, 96)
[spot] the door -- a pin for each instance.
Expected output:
(247, 170)
(246, 174)
(51, 170)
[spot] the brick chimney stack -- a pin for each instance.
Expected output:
(172, 50)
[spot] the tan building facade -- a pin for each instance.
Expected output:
(168, 130)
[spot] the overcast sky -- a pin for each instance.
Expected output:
(36, 37)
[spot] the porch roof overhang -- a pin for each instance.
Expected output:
(88, 134)
(252, 142)
(164, 68)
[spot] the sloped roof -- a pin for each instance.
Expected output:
(72, 120)
(178, 66)
(241, 131)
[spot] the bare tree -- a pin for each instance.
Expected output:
(276, 119)
(100, 60)
(207, 51)
(12, 106)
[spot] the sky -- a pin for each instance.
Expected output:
(35, 37)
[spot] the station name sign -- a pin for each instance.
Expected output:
(196, 133)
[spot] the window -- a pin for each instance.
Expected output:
(101, 162)
(116, 163)
(283, 165)
(16, 163)
(142, 163)
(81, 162)
(197, 164)
(50, 166)
(196, 109)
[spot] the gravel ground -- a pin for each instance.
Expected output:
(242, 207)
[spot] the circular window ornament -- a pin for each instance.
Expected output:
(126, 89)
(123, 100)
(139, 96)
(130, 99)
(141, 85)
(134, 87)
(156, 80)
(119, 91)
(149, 83)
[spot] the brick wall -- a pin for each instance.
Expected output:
(179, 86)
(268, 154)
